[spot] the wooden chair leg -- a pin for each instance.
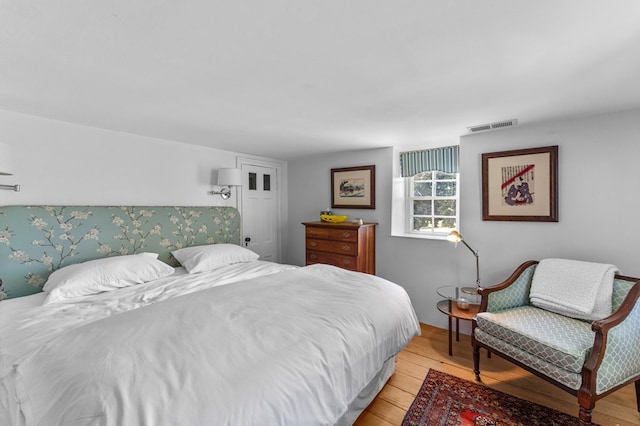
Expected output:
(587, 403)
(585, 416)
(476, 362)
(638, 394)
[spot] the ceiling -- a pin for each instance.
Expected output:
(290, 78)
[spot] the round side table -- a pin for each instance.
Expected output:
(451, 306)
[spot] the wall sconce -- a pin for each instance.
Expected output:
(6, 166)
(227, 178)
(455, 237)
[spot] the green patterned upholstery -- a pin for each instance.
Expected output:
(571, 380)
(620, 290)
(557, 346)
(517, 294)
(562, 341)
(37, 240)
(622, 355)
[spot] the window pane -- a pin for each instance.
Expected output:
(445, 207)
(423, 176)
(266, 182)
(422, 224)
(445, 176)
(445, 223)
(445, 189)
(253, 184)
(422, 207)
(422, 189)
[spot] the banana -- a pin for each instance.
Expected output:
(333, 218)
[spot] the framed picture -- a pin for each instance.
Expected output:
(520, 185)
(353, 187)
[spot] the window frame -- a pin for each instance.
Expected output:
(411, 198)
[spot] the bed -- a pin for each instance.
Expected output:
(190, 328)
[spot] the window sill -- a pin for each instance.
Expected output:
(441, 237)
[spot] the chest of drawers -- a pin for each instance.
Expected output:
(346, 245)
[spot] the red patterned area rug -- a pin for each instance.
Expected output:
(447, 400)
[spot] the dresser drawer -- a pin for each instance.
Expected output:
(340, 247)
(345, 262)
(332, 234)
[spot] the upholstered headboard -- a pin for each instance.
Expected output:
(37, 240)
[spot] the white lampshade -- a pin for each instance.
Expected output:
(229, 177)
(6, 163)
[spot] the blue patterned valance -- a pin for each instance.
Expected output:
(440, 159)
(37, 240)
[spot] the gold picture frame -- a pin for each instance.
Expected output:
(520, 185)
(353, 187)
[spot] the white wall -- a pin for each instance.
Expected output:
(597, 200)
(597, 185)
(62, 163)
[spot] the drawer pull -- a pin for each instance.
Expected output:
(312, 232)
(313, 244)
(313, 256)
(346, 261)
(346, 234)
(346, 248)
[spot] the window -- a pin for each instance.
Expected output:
(432, 203)
(426, 199)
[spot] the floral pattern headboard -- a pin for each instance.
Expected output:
(37, 240)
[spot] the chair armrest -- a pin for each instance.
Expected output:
(511, 293)
(614, 358)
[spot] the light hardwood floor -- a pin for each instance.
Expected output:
(430, 350)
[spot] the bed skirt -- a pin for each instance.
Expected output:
(368, 394)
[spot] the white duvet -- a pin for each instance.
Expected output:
(289, 348)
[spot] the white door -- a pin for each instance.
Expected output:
(260, 230)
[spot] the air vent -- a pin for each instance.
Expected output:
(492, 126)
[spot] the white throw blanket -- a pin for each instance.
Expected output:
(573, 288)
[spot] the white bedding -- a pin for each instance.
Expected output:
(31, 328)
(294, 347)
(9, 308)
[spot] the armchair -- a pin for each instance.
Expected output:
(587, 359)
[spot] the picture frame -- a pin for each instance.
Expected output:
(353, 187)
(520, 185)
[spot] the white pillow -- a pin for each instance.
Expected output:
(209, 257)
(96, 276)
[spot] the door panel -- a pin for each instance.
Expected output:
(260, 210)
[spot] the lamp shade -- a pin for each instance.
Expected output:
(454, 237)
(6, 163)
(229, 177)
